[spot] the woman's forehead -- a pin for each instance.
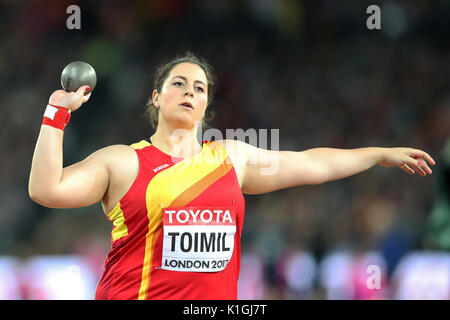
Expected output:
(189, 71)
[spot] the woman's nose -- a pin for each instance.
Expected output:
(188, 92)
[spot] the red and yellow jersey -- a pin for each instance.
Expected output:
(176, 232)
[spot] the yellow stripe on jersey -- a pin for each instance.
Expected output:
(120, 228)
(169, 185)
(116, 215)
(141, 144)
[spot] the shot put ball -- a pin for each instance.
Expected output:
(77, 74)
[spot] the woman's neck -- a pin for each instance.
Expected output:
(178, 143)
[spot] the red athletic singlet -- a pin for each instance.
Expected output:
(176, 232)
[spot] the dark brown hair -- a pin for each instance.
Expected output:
(163, 71)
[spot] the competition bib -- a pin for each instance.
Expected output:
(198, 239)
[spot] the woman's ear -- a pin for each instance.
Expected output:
(155, 98)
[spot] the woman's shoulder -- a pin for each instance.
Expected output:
(115, 149)
(234, 146)
(116, 155)
(237, 150)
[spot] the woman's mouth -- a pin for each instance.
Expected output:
(187, 106)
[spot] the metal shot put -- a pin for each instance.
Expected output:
(77, 74)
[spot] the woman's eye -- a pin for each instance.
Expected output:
(178, 83)
(200, 89)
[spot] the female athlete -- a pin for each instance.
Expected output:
(176, 204)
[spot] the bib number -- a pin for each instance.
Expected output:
(198, 239)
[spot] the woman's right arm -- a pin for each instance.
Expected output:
(79, 185)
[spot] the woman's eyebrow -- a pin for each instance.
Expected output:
(185, 79)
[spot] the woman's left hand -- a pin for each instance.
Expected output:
(408, 159)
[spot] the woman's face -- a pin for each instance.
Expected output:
(183, 98)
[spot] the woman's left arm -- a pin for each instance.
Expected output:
(269, 170)
(341, 163)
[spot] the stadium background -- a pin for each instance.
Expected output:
(310, 68)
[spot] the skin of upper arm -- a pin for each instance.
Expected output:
(86, 182)
(270, 170)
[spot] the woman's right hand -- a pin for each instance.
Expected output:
(69, 100)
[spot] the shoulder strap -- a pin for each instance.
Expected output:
(141, 144)
(217, 148)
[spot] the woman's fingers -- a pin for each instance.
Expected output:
(414, 160)
(429, 159)
(424, 166)
(419, 161)
(81, 90)
(70, 100)
(420, 166)
(86, 97)
(406, 168)
(419, 154)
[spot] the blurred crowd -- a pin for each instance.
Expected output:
(310, 69)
